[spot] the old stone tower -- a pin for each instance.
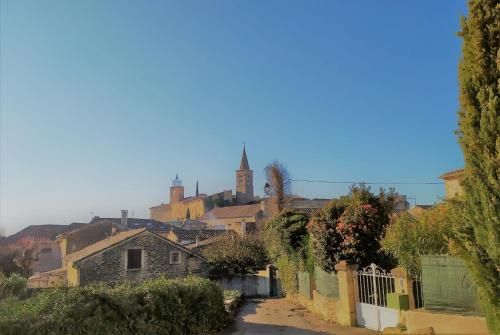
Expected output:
(176, 190)
(244, 181)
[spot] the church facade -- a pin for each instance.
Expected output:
(194, 207)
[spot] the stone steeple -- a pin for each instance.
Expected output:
(244, 161)
(244, 181)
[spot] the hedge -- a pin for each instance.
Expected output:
(160, 306)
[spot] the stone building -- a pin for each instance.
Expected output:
(185, 237)
(244, 181)
(452, 183)
(181, 207)
(242, 219)
(132, 255)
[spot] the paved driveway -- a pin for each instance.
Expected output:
(279, 316)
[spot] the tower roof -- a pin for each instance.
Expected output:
(244, 161)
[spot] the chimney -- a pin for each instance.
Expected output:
(124, 217)
(197, 240)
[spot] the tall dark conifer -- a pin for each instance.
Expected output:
(478, 229)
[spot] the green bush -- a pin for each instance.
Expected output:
(410, 236)
(232, 254)
(160, 306)
(14, 285)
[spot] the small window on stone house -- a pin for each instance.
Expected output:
(175, 257)
(134, 259)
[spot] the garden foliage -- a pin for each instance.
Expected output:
(350, 228)
(410, 236)
(478, 230)
(287, 243)
(13, 286)
(232, 254)
(160, 306)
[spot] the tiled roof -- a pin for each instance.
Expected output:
(184, 234)
(232, 212)
(103, 244)
(48, 231)
(149, 224)
(308, 211)
(452, 174)
(424, 206)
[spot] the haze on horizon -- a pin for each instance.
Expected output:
(103, 102)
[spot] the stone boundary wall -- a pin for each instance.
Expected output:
(321, 306)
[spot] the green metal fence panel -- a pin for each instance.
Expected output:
(327, 284)
(305, 284)
(447, 285)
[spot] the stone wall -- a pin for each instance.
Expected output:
(452, 188)
(110, 265)
(174, 211)
(325, 308)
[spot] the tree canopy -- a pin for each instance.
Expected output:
(478, 228)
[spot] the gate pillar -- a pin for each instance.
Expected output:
(403, 283)
(346, 310)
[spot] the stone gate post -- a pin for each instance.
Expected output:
(346, 312)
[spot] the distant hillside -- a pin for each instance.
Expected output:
(47, 231)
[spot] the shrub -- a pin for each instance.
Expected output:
(14, 285)
(350, 228)
(232, 254)
(160, 306)
(410, 236)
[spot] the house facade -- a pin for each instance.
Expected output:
(132, 255)
(242, 219)
(452, 183)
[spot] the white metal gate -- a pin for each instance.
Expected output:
(371, 298)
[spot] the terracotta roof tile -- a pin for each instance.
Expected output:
(232, 212)
(452, 174)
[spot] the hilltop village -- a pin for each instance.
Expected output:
(71, 255)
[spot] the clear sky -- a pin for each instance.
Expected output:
(103, 102)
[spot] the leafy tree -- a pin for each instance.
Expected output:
(287, 241)
(410, 236)
(350, 228)
(478, 230)
(233, 254)
(286, 232)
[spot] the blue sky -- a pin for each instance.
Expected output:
(103, 102)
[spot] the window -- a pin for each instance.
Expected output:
(175, 257)
(134, 259)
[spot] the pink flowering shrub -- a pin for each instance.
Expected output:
(351, 228)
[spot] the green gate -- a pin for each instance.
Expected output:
(327, 284)
(304, 284)
(447, 285)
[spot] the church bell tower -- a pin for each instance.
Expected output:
(244, 181)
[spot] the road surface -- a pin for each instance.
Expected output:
(279, 316)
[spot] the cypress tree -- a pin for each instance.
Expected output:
(478, 228)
